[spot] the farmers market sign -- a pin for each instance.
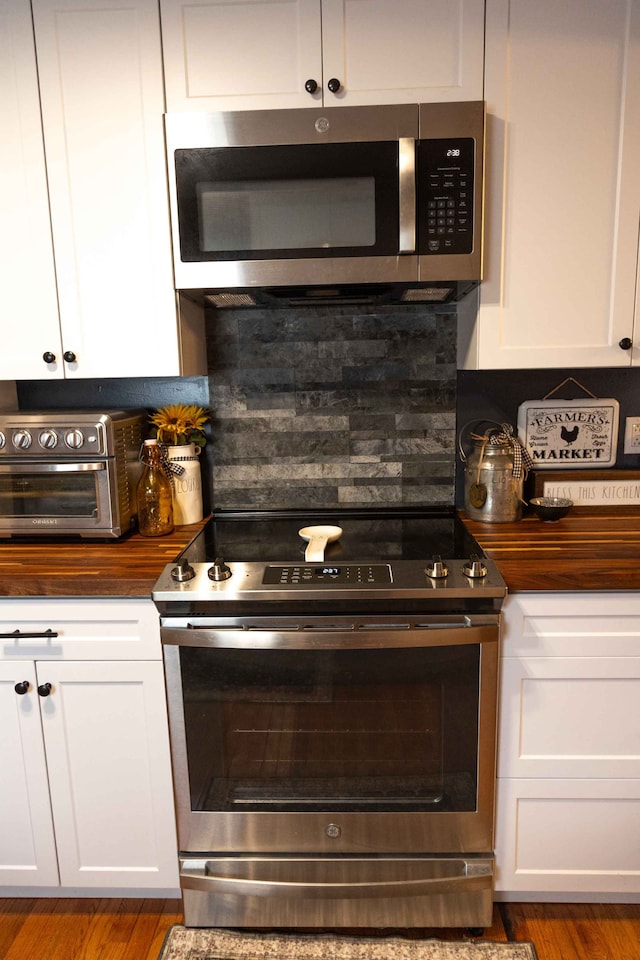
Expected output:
(569, 433)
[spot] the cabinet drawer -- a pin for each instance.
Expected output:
(572, 625)
(568, 836)
(570, 717)
(81, 629)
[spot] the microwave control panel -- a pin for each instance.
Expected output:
(445, 204)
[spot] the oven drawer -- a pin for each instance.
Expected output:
(358, 891)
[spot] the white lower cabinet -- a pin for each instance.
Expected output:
(85, 785)
(568, 796)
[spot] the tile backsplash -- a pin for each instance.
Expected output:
(347, 406)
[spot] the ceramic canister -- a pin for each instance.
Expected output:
(187, 486)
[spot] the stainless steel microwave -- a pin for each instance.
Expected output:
(323, 203)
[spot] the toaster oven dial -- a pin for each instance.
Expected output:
(22, 439)
(48, 439)
(74, 439)
(3, 440)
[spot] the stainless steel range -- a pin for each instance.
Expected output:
(333, 719)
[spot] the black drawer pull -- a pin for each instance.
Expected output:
(19, 635)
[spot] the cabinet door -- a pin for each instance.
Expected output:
(106, 737)
(30, 325)
(407, 51)
(570, 717)
(240, 55)
(102, 102)
(562, 86)
(237, 55)
(568, 836)
(27, 845)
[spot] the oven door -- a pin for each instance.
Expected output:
(74, 497)
(333, 736)
(293, 198)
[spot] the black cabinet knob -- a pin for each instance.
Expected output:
(69, 356)
(334, 85)
(22, 687)
(311, 86)
(44, 689)
(49, 357)
(626, 343)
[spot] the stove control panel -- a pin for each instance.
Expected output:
(329, 575)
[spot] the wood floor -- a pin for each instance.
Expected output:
(78, 929)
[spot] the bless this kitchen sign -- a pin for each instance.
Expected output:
(569, 433)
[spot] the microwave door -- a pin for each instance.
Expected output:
(300, 214)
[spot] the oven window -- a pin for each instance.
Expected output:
(358, 730)
(65, 495)
(272, 202)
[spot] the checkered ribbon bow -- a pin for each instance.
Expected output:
(170, 467)
(522, 461)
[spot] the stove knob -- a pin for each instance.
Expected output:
(183, 571)
(438, 569)
(3, 440)
(74, 439)
(219, 570)
(22, 439)
(475, 569)
(48, 439)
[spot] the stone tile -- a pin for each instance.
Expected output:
(332, 406)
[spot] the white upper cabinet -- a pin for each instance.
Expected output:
(562, 85)
(102, 100)
(29, 313)
(99, 88)
(240, 55)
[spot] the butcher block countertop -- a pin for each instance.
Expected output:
(89, 568)
(586, 550)
(589, 549)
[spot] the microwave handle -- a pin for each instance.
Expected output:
(76, 466)
(407, 194)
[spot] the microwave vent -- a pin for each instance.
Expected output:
(427, 295)
(231, 300)
(349, 294)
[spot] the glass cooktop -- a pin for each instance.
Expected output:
(367, 536)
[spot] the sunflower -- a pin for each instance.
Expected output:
(179, 423)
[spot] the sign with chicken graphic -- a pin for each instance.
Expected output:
(570, 433)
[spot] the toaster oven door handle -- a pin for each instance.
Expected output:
(74, 466)
(407, 195)
(199, 876)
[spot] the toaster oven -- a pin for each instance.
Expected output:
(69, 473)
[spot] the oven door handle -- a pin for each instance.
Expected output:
(75, 466)
(439, 634)
(196, 875)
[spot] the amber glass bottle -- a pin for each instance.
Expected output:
(154, 494)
